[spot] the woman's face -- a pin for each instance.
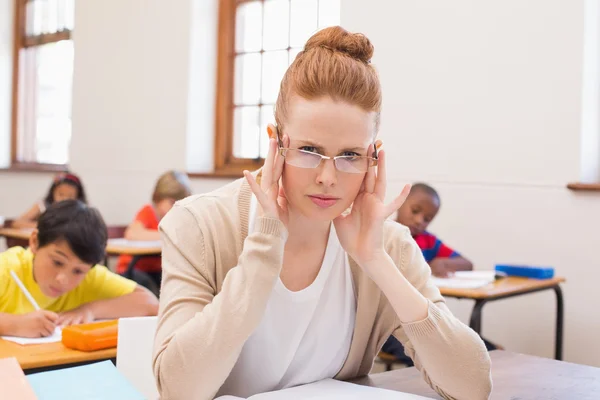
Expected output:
(332, 129)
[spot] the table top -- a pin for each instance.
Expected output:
(114, 246)
(503, 287)
(14, 233)
(515, 376)
(50, 354)
(134, 248)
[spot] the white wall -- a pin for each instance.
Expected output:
(483, 100)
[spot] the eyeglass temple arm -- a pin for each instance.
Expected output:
(375, 151)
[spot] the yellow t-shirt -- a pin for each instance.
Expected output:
(98, 284)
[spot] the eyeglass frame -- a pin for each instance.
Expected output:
(281, 150)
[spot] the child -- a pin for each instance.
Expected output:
(417, 212)
(59, 270)
(170, 187)
(65, 186)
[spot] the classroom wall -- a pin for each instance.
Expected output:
(483, 100)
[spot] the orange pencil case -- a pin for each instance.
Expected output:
(92, 336)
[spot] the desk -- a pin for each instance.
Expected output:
(36, 357)
(510, 287)
(515, 376)
(137, 249)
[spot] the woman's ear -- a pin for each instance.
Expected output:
(33, 241)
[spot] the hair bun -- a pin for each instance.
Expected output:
(336, 38)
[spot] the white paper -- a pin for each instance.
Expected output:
(55, 337)
(140, 244)
(466, 280)
(489, 276)
(331, 389)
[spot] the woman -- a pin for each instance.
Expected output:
(294, 275)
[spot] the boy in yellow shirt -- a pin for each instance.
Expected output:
(59, 270)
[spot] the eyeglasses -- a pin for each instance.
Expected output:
(306, 159)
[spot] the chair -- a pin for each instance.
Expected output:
(116, 231)
(388, 360)
(134, 353)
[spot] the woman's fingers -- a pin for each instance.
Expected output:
(267, 171)
(279, 161)
(261, 196)
(370, 178)
(398, 201)
(381, 182)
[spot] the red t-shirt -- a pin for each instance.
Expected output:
(147, 217)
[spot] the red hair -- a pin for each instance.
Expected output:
(334, 63)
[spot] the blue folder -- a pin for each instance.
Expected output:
(526, 271)
(98, 381)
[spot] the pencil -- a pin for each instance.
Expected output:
(25, 291)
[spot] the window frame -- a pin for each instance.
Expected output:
(22, 41)
(225, 164)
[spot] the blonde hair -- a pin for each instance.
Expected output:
(334, 63)
(172, 185)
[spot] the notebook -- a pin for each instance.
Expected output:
(98, 381)
(466, 280)
(330, 389)
(140, 244)
(55, 337)
(13, 382)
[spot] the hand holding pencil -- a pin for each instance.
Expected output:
(39, 323)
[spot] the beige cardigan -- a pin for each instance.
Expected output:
(208, 308)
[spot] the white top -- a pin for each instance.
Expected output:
(304, 336)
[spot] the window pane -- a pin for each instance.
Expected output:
(45, 107)
(48, 16)
(247, 79)
(293, 54)
(329, 13)
(303, 21)
(277, 25)
(275, 64)
(245, 132)
(248, 36)
(266, 118)
(69, 11)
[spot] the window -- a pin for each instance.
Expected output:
(42, 81)
(258, 40)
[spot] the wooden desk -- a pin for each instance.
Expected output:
(12, 233)
(35, 357)
(515, 376)
(510, 287)
(136, 249)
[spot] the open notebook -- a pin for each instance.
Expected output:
(55, 337)
(330, 389)
(466, 280)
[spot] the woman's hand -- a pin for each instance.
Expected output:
(272, 203)
(361, 231)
